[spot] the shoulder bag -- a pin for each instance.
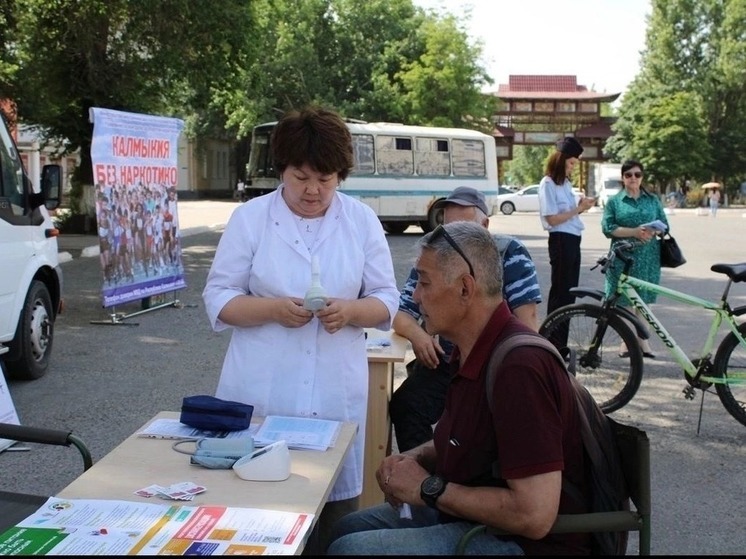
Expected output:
(671, 255)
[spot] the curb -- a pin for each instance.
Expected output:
(94, 250)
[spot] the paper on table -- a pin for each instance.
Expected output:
(163, 428)
(656, 225)
(299, 433)
(104, 527)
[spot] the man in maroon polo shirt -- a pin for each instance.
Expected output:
(504, 470)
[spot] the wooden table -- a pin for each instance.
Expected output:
(138, 462)
(378, 423)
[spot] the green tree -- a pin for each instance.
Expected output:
(695, 47)
(527, 165)
(166, 57)
(381, 60)
(226, 66)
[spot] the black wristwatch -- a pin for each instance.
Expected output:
(432, 487)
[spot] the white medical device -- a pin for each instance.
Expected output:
(271, 463)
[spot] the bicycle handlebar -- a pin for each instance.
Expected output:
(618, 250)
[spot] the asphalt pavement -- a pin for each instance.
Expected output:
(107, 381)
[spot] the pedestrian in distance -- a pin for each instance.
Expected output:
(630, 215)
(418, 402)
(296, 351)
(560, 216)
(455, 482)
(714, 201)
(241, 190)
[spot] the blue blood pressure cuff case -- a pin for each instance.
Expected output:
(208, 413)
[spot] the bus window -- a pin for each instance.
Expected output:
(468, 158)
(432, 157)
(394, 155)
(363, 153)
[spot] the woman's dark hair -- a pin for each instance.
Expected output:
(555, 168)
(631, 164)
(314, 136)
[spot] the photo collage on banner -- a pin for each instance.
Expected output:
(135, 173)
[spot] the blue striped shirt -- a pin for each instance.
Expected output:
(520, 282)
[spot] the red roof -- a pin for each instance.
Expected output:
(542, 83)
(549, 87)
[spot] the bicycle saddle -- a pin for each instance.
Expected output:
(736, 272)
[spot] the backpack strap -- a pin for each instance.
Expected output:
(499, 352)
(537, 340)
(505, 346)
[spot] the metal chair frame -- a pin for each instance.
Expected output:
(634, 447)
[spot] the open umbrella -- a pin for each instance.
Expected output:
(711, 185)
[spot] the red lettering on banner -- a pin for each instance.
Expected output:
(148, 174)
(150, 148)
(99, 174)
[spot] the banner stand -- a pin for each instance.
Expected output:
(115, 318)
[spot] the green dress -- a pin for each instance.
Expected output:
(624, 211)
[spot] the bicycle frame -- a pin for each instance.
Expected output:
(722, 314)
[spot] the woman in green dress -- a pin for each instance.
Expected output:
(624, 217)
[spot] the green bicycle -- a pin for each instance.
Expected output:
(596, 334)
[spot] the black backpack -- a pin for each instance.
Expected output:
(598, 431)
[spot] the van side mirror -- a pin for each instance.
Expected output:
(51, 186)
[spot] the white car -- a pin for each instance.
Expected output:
(525, 200)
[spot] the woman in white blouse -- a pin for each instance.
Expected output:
(283, 358)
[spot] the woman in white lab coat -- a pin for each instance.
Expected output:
(284, 359)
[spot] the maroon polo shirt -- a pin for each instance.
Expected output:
(534, 429)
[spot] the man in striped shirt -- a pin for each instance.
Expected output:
(418, 403)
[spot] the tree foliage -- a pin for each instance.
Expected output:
(161, 57)
(226, 66)
(684, 115)
(380, 60)
(527, 165)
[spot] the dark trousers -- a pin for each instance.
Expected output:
(418, 403)
(564, 259)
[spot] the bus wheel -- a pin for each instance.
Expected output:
(434, 218)
(395, 227)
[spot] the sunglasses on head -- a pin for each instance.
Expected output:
(636, 174)
(440, 231)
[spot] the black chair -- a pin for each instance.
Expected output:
(634, 448)
(14, 507)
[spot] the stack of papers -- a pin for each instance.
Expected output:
(175, 429)
(298, 432)
(658, 226)
(102, 527)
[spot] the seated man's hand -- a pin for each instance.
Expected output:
(427, 349)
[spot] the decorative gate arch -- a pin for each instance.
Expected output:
(541, 110)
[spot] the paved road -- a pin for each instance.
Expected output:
(106, 381)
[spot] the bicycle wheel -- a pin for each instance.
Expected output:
(611, 377)
(730, 365)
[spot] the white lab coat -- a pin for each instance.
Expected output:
(305, 371)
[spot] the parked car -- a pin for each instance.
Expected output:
(525, 200)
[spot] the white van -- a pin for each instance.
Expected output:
(607, 181)
(31, 278)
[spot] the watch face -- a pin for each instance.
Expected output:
(432, 485)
